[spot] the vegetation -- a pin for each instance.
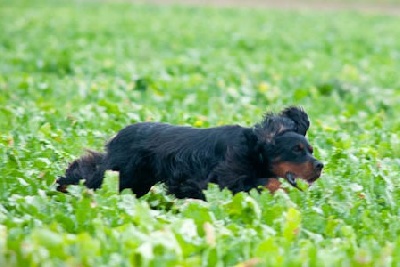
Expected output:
(74, 73)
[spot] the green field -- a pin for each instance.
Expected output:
(74, 73)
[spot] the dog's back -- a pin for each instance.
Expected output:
(165, 139)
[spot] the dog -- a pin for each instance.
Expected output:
(187, 159)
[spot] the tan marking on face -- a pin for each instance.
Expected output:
(305, 171)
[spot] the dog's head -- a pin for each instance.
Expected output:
(285, 149)
(291, 157)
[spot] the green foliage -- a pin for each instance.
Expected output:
(72, 73)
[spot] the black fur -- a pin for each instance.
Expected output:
(187, 159)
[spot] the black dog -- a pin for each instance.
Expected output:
(187, 159)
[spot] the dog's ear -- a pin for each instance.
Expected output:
(290, 119)
(299, 117)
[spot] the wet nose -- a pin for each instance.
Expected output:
(318, 165)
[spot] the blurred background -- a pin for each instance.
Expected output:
(386, 6)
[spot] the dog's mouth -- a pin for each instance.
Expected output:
(291, 178)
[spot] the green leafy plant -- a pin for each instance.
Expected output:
(74, 73)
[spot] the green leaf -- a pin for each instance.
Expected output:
(292, 224)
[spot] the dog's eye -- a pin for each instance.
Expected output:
(297, 149)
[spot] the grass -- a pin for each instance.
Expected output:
(74, 73)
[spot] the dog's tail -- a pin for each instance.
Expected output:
(89, 168)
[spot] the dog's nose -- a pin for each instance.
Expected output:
(318, 165)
